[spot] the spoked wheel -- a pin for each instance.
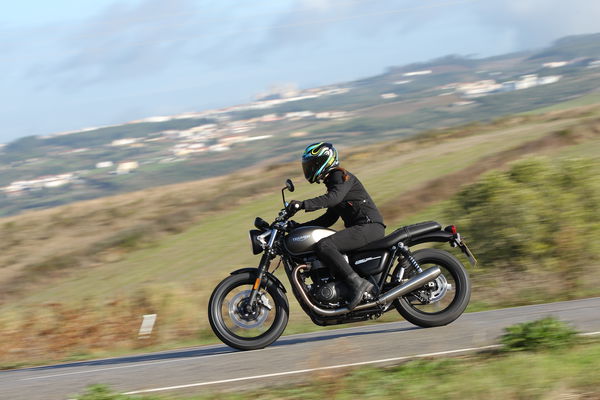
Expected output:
(242, 325)
(442, 300)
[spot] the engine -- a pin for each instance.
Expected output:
(325, 288)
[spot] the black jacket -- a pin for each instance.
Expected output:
(347, 199)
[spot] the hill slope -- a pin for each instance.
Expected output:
(162, 250)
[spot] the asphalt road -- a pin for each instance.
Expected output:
(291, 358)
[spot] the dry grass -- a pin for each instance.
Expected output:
(446, 186)
(43, 244)
(43, 248)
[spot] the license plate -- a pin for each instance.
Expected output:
(465, 249)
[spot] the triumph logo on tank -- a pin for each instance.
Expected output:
(300, 238)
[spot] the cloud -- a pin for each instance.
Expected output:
(129, 41)
(123, 42)
(534, 23)
(229, 49)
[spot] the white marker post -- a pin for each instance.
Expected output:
(147, 326)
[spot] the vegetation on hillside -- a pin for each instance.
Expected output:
(78, 278)
(538, 214)
(533, 229)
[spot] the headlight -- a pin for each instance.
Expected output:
(256, 246)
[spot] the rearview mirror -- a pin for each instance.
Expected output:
(289, 185)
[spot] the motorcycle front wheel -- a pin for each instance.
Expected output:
(243, 327)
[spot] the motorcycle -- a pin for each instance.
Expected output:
(429, 287)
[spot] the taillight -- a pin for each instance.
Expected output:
(451, 229)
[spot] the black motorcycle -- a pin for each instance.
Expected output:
(429, 287)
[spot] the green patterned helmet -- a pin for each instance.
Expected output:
(318, 159)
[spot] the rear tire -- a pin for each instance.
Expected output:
(225, 316)
(451, 268)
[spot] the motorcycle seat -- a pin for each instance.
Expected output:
(401, 235)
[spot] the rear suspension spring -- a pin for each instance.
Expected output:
(404, 250)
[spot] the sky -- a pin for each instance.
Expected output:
(67, 64)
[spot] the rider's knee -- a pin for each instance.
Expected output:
(324, 246)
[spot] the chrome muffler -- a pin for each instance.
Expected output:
(383, 300)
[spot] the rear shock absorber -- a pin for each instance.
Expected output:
(405, 251)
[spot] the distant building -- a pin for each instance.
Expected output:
(296, 115)
(218, 148)
(49, 181)
(124, 142)
(555, 64)
(479, 88)
(269, 118)
(509, 86)
(526, 82)
(104, 164)
(332, 114)
(417, 73)
(127, 167)
(545, 80)
(594, 64)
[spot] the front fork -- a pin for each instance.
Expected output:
(263, 267)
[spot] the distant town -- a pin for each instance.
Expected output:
(225, 132)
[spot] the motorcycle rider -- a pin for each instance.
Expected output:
(347, 198)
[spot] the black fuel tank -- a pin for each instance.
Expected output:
(301, 240)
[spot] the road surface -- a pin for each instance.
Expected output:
(292, 358)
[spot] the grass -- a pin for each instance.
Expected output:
(163, 250)
(558, 374)
(590, 99)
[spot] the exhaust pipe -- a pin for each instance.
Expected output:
(386, 298)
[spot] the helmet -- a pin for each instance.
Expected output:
(318, 159)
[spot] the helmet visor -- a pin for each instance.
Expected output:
(313, 167)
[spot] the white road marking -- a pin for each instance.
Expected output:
(302, 371)
(590, 334)
(130, 366)
(258, 376)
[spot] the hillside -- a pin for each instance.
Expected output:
(44, 172)
(77, 278)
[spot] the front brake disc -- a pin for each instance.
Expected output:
(244, 320)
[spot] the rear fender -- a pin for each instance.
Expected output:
(437, 236)
(269, 277)
(443, 237)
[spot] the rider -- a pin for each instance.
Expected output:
(346, 197)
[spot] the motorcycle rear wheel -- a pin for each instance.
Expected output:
(239, 329)
(452, 299)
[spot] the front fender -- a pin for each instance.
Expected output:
(272, 279)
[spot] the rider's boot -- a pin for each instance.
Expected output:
(359, 287)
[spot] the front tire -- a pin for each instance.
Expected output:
(240, 329)
(451, 290)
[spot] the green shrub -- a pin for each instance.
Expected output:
(102, 392)
(546, 333)
(539, 213)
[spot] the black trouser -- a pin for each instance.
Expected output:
(330, 249)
